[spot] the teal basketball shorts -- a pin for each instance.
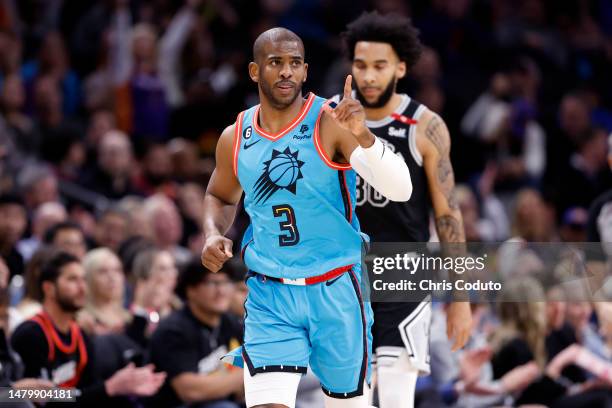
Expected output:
(325, 325)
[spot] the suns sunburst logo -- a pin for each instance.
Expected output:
(282, 171)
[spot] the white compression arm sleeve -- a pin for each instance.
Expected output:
(383, 170)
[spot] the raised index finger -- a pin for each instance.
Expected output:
(348, 87)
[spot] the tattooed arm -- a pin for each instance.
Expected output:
(433, 142)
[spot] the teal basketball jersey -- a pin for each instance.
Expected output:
(301, 204)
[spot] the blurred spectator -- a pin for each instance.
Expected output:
(570, 124)
(69, 156)
(465, 378)
(38, 185)
(103, 312)
(191, 205)
(475, 231)
(237, 270)
(578, 313)
(526, 27)
(166, 225)
(4, 274)
(489, 223)
(19, 127)
(523, 326)
(556, 307)
(604, 318)
(128, 251)
(573, 225)
(111, 229)
(560, 334)
(156, 172)
(171, 45)
(599, 227)
(31, 301)
(98, 91)
(45, 216)
(432, 96)
(13, 222)
(138, 224)
(587, 170)
(112, 176)
(532, 220)
(52, 124)
(11, 368)
(155, 277)
(101, 122)
(67, 236)
(42, 342)
(188, 344)
(427, 69)
(524, 88)
(84, 218)
(53, 60)
(574, 118)
(147, 77)
(426, 79)
(184, 154)
(11, 47)
(240, 294)
(521, 339)
(505, 117)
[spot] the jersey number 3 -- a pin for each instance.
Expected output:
(289, 225)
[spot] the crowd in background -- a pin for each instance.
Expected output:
(109, 115)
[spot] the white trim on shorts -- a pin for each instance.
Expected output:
(414, 330)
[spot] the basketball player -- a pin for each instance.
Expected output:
(382, 50)
(295, 159)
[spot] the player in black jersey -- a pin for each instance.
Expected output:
(382, 49)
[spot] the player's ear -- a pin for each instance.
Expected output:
(400, 71)
(254, 71)
(305, 72)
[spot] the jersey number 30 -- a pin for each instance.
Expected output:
(367, 193)
(289, 225)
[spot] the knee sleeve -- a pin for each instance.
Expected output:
(271, 388)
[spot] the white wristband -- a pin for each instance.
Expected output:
(383, 170)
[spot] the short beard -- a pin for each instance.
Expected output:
(382, 99)
(66, 304)
(266, 89)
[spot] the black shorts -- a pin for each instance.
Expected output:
(387, 318)
(402, 325)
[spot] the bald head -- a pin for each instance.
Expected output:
(47, 215)
(274, 36)
(279, 68)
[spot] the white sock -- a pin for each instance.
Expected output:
(396, 383)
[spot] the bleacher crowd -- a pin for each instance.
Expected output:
(109, 115)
